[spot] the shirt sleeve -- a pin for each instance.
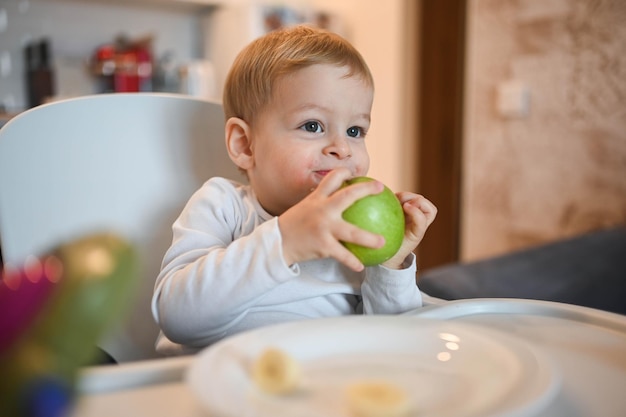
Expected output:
(215, 269)
(391, 291)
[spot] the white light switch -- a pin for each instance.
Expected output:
(513, 99)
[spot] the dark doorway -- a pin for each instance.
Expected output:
(442, 69)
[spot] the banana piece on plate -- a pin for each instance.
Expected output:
(377, 399)
(276, 372)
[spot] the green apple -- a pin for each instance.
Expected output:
(381, 214)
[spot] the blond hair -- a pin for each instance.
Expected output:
(250, 81)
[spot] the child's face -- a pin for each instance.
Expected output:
(315, 122)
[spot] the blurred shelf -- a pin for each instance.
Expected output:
(192, 5)
(201, 4)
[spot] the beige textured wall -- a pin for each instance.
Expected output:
(561, 170)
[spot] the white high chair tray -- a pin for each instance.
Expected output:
(587, 345)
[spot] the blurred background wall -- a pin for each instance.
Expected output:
(556, 167)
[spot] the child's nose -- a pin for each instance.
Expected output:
(339, 148)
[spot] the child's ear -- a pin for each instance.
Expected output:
(238, 143)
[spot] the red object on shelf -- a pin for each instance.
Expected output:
(124, 69)
(133, 70)
(126, 78)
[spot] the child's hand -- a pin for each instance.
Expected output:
(419, 213)
(314, 228)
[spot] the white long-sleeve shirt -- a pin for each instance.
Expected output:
(225, 273)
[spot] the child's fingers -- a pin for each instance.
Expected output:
(333, 181)
(347, 258)
(425, 206)
(428, 208)
(353, 234)
(347, 196)
(343, 198)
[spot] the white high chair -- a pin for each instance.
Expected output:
(125, 163)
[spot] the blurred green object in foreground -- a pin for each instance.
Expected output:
(53, 312)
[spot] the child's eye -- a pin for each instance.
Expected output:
(313, 127)
(354, 132)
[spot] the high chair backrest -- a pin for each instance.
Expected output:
(125, 163)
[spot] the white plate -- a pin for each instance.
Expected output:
(447, 368)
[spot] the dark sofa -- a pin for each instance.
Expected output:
(587, 270)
